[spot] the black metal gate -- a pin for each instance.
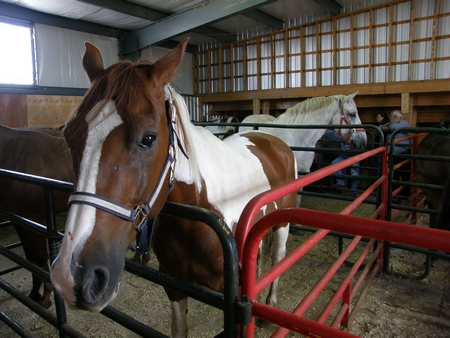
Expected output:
(227, 302)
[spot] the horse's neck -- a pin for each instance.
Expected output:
(189, 137)
(305, 116)
(320, 116)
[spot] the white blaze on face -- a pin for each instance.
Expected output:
(81, 218)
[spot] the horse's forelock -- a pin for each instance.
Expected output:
(123, 83)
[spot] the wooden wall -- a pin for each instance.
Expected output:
(19, 110)
(422, 102)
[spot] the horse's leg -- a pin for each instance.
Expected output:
(179, 318)
(280, 236)
(137, 255)
(35, 249)
(434, 199)
(42, 260)
(46, 301)
(296, 231)
(145, 258)
(304, 161)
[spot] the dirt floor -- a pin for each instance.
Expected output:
(394, 307)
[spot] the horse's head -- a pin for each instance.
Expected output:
(121, 140)
(349, 115)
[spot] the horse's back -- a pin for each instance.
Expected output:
(275, 155)
(36, 153)
(242, 166)
(256, 118)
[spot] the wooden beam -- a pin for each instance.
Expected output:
(186, 21)
(407, 109)
(432, 99)
(256, 107)
(431, 86)
(265, 107)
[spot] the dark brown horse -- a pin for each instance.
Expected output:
(41, 153)
(436, 173)
(133, 149)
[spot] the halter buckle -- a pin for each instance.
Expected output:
(140, 217)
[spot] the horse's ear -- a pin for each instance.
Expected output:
(93, 62)
(350, 97)
(163, 69)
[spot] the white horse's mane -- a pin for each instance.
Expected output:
(307, 109)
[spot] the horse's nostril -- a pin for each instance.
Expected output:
(96, 286)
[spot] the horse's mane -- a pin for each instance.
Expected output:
(307, 108)
(122, 82)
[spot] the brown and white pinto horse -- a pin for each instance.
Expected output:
(41, 153)
(133, 149)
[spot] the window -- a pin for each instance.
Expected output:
(17, 61)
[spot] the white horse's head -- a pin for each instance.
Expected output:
(349, 115)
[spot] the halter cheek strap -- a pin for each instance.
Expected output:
(140, 214)
(345, 119)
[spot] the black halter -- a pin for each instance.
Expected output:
(138, 215)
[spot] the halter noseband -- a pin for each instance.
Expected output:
(352, 130)
(140, 214)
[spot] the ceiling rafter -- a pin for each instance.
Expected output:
(267, 19)
(153, 15)
(128, 8)
(186, 21)
(331, 5)
(146, 13)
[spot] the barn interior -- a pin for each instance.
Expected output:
(252, 57)
(243, 57)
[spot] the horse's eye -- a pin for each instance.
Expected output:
(147, 141)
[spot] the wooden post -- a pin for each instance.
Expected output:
(256, 107)
(413, 118)
(407, 109)
(265, 107)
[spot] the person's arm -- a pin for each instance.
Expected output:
(399, 124)
(386, 126)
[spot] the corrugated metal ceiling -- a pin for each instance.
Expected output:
(136, 14)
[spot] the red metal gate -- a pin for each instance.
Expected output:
(351, 292)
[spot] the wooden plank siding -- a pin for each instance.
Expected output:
(20, 110)
(422, 100)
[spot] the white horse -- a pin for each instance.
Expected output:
(323, 110)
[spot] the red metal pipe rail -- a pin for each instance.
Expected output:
(389, 231)
(247, 241)
(251, 209)
(248, 238)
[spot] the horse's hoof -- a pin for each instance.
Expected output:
(45, 304)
